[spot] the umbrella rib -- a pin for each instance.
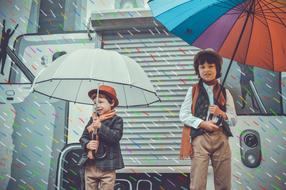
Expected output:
(270, 9)
(270, 43)
(93, 80)
(91, 71)
(269, 18)
(225, 7)
(235, 50)
(230, 29)
(248, 44)
(261, 21)
(144, 97)
(275, 1)
(61, 98)
(55, 88)
(123, 86)
(127, 68)
(77, 91)
(263, 12)
(261, 8)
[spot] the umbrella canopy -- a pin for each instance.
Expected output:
(72, 76)
(248, 31)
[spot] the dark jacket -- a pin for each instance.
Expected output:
(109, 134)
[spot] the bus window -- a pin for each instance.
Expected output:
(247, 97)
(283, 91)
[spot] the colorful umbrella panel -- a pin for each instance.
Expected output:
(248, 31)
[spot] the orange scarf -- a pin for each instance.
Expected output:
(186, 149)
(101, 118)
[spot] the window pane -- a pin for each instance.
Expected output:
(265, 83)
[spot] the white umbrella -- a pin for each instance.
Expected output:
(71, 76)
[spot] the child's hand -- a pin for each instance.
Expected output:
(96, 124)
(90, 155)
(209, 126)
(90, 128)
(215, 110)
(92, 145)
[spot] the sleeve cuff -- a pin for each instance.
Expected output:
(197, 123)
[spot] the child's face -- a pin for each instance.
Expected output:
(207, 71)
(103, 105)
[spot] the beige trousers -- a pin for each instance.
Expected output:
(96, 179)
(213, 146)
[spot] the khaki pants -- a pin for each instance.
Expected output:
(96, 179)
(213, 146)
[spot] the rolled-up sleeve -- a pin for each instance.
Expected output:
(230, 109)
(186, 115)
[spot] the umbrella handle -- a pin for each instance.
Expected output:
(93, 135)
(99, 157)
(219, 119)
(210, 116)
(95, 153)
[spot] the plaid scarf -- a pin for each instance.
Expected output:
(186, 149)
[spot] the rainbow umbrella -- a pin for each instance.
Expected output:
(248, 31)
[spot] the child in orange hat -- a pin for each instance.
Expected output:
(100, 141)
